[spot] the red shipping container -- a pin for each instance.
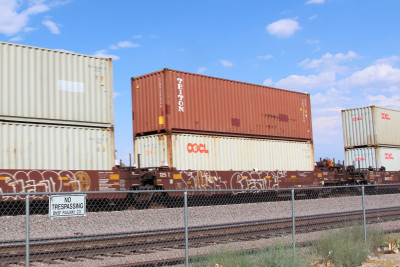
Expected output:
(181, 102)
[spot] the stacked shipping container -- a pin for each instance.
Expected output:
(178, 116)
(207, 152)
(56, 109)
(371, 137)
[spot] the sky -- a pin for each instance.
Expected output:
(344, 53)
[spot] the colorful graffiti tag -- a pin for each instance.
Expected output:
(34, 181)
(203, 180)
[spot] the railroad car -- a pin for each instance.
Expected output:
(190, 132)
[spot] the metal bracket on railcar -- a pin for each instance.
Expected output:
(144, 178)
(364, 175)
(337, 168)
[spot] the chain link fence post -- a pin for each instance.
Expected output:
(186, 230)
(27, 229)
(364, 216)
(293, 226)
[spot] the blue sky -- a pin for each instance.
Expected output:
(344, 53)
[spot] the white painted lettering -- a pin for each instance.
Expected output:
(180, 95)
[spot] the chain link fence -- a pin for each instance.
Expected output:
(147, 228)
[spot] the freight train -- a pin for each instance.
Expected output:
(190, 132)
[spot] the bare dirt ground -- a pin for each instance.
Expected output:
(388, 260)
(381, 260)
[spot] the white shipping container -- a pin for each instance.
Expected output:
(40, 146)
(371, 126)
(38, 84)
(375, 157)
(205, 152)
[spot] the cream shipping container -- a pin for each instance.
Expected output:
(52, 86)
(375, 157)
(220, 153)
(371, 126)
(41, 146)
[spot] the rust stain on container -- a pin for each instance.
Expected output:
(192, 103)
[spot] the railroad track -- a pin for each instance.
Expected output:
(48, 250)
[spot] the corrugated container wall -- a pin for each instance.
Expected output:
(206, 152)
(175, 101)
(48, 86)
(364, 157)
(40, 146)
(371, 126)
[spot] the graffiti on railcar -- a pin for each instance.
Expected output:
(257, 179)
(202, 180)
(35, 181)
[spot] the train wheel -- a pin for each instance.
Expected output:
(161, 198)
(313, 194)
(142, 200)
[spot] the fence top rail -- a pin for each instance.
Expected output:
(198, 190)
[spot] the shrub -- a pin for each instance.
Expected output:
(279, 256)
(226, 258)
(276, 256)
(347, 247)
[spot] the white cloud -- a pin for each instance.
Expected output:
(324, 80)
(313, 17)
(268, 82)
(58, 3)
(334, 89)
(328, 125)
(312, 42)
(124, 44)
(384, 101)
(329, 62)
(16, 39)
(265, 57)
(380, 76)
(103, 53)
(29, 29)
(138, 36)
(388, 61)
(13, 20)
(328, 135)
(226, 63)
(315, 2)
(329, 100)
(127, 44)
(116, 94)
(51, 26)
(283, 28)
(202, 70)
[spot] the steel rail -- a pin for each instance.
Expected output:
(142, 241)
